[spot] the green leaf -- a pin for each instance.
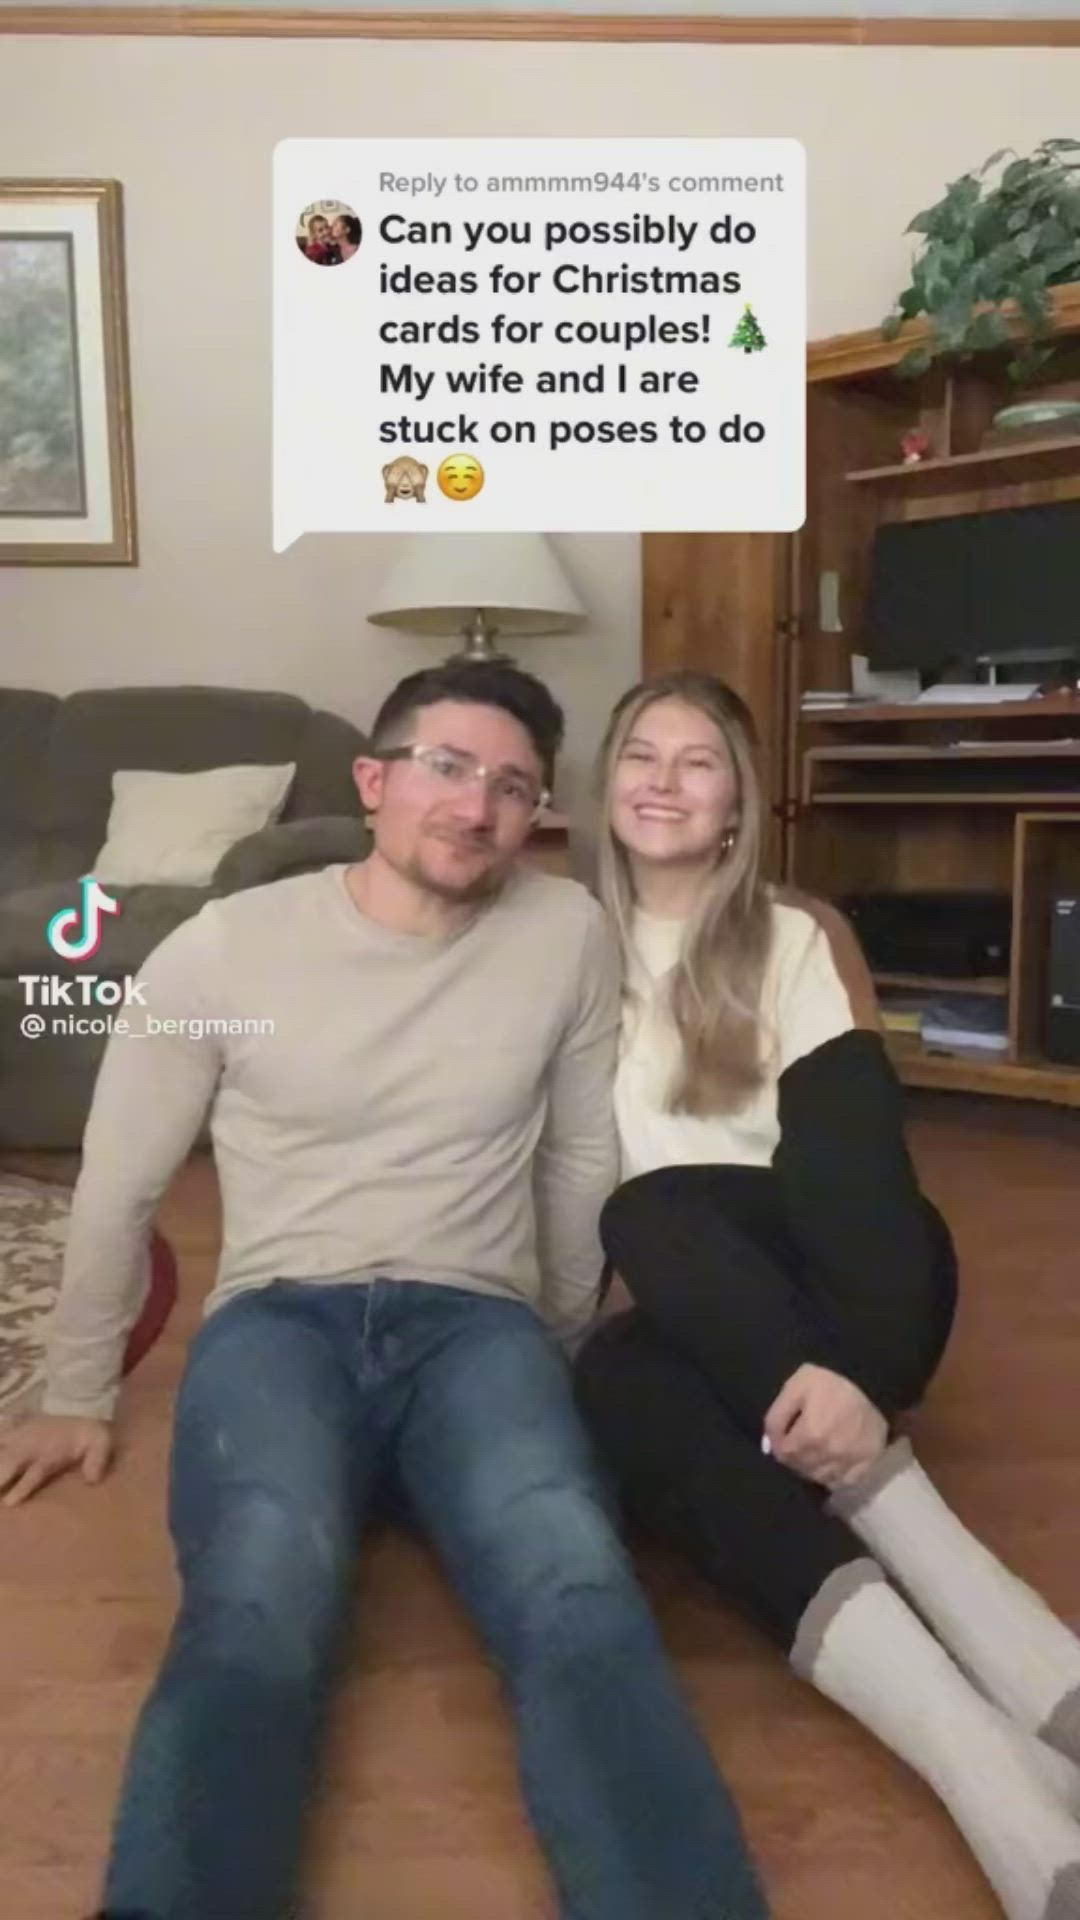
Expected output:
(990, 225)
(1051, 234)
(988, 330)
(1000, 267)
(1064, 265)
(953, 327)
(891, 325)
(916, 361)
(1016, 175)
(1027, 362)
(994, 158)
(964, 192)
(948, 261)
(1033, 306)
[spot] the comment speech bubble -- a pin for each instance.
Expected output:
(498, 335)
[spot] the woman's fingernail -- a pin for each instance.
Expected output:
(766, 1445)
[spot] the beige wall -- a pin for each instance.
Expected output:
(210, 601)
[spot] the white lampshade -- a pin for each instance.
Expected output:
(442, 583)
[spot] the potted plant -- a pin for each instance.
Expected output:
(987, 243)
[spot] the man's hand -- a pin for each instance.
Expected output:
(824, 1427)
(39, 1449)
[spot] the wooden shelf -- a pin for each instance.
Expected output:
(976, 1072)
(991, 984)
(908, 797)
(841, 357)
(1053, 707)
(1057, 453)
(943, 761)
(956, 753)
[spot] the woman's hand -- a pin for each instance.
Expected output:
(824, 1427)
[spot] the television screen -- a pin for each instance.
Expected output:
(977, 585)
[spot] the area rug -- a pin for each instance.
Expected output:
(34, 1217)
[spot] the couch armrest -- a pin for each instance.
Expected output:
(292, 846)
(35, 859)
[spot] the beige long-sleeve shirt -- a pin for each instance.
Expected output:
(382, 1104)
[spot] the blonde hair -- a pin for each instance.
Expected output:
(714, 991)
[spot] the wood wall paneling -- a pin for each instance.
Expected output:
(719, 603)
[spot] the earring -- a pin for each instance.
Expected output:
(727, 840)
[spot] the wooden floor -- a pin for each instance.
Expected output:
(420, 1817)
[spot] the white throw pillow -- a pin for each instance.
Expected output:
(171, 829)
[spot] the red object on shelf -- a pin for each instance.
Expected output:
(914, 445)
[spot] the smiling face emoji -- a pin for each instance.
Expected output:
(461, 476)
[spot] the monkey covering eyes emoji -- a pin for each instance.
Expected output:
(405, 479)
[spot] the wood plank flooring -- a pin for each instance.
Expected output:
(419, 1817)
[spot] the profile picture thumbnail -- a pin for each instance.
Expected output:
(328, 233)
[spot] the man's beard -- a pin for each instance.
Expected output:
(482, 887)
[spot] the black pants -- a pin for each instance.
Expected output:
(726, 1309)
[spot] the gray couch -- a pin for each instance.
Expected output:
(57, 759)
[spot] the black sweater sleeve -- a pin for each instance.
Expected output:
(852, 1200)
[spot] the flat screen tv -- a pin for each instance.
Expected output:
(976, 586)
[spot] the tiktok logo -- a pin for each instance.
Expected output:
(75, 932)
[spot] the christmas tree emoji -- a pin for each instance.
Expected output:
(748, 334)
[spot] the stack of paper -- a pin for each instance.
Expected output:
(977, 693)
(967, 1020)
(815, 698)
(951, 1022)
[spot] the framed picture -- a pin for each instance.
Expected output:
(67, 493)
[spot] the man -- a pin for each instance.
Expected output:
(412, 1165)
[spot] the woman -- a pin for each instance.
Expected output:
(791, 1296)
(346, 233)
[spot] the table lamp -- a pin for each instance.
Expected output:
(477, 585)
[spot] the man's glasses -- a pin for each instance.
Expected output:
(456, 769)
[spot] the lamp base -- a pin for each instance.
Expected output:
(480, 645)
(487, 656)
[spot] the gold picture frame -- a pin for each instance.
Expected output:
(67, 469)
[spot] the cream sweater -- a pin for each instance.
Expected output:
(805, 1002)
(434, 1109)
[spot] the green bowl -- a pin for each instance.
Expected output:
(1039, 413)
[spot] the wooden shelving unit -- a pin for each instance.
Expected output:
(1022, 840)
(884, 798)
(970, 797)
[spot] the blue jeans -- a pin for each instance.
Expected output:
(297, 1403)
